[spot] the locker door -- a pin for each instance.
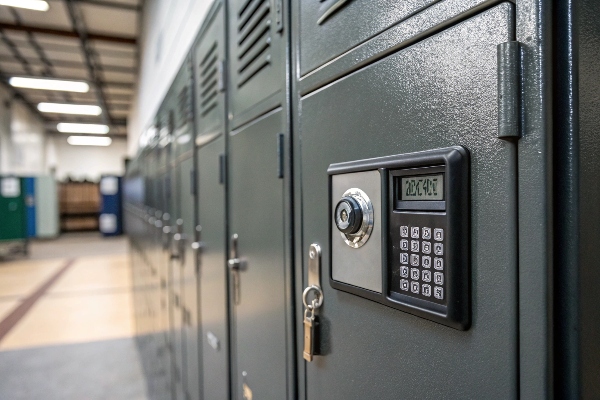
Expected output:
(256, 57)
(175, 277)
(214, 337)
(258, 302)
(163, 273)
(212, 259)
(437, 93)
(187, 261)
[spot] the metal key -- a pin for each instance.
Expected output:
(311, 333)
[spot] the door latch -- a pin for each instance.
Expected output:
(197, 249)
(235, 264)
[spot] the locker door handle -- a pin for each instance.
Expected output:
(166, 237)
(235, 264)
(197, 249)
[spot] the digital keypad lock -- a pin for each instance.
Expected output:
(400, 232)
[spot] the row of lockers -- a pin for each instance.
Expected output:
(287, 121)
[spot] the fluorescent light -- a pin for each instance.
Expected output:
(69, 109)
(89, 140)
(37, 5)
(66, 127)
(49, 84)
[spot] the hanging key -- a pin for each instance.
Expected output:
(312, 337)
(311, 333)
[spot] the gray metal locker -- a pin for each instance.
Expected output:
(162, 242)
(185, 225)
(260, 275)
(543, 77)
(438, 92)
(211, 118)
(257, 58)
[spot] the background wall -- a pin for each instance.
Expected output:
(86, 162)
(22, 138)
(168, 29)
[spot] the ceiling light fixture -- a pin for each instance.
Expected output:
(89, 140)
(77, 109)
(37, 5)
(49, 84)
(67, 127)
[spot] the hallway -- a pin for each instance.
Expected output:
(66, 322)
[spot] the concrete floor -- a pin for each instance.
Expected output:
(66, 322)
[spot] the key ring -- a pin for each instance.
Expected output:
(319, 297)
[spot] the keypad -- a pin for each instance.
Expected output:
(422, 262)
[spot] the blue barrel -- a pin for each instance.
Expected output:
(111, 213)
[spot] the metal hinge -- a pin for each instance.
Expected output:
(509, 89)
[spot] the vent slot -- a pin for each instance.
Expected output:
(254, 39)
(184, 103)
(209, 80)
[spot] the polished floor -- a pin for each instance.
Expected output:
(66, 322)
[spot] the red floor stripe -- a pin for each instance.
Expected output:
(15, 316)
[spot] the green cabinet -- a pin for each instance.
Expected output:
(12, 209)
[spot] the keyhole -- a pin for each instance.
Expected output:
(344, 215)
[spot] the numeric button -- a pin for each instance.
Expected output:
(438, 278)
(438, 263)
(414, 260)
(438, 249)
(404, 271)
(404, 231)
(426, 246)
(404, 245)
(414, 246)
(414, 287)
(426, 262)
(414, 274)
(427, 233)
(414, 232)
(426, 275)
(403, 258)
(426, 290)
(404, 284)
(438, 293)
(438, 234)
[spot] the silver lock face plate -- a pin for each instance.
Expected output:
(356, 259)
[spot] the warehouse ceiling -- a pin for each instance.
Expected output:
(90, 40)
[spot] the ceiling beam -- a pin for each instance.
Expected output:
(51, 125)
(70, 64)
(93, 66)
(111, 4)
(69, 34)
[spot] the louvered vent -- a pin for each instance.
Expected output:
(254, 39)
(209, 80)
(185, 106)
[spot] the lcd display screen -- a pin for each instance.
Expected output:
(422, 187)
